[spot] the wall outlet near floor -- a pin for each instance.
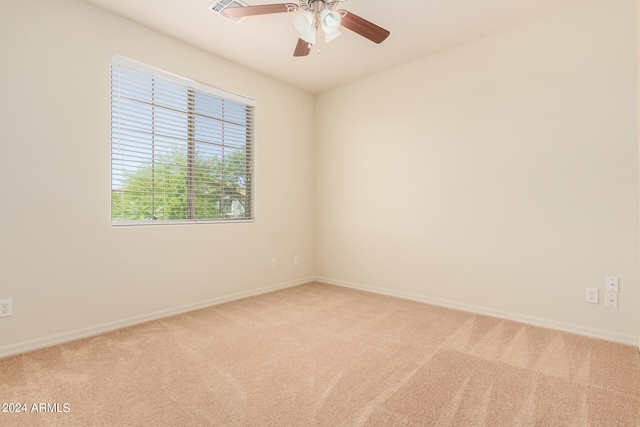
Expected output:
(274, 263)
(6, 308)
(611, 299)
(592, 295)
(296, 260)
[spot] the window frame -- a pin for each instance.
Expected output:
(192, 87)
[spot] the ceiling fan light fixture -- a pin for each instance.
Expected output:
(316, 21)
(328, 37)
(310, 36)
(303, 22)
(330, 21)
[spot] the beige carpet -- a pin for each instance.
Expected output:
(319, 355)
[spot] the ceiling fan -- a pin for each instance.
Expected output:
(314, 19)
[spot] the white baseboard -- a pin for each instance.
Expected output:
(35, 344)
(26, 346)
(535, 321)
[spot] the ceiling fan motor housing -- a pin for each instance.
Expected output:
(318, 5)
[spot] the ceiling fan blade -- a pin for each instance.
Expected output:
(263, 9)
(363, 27)
(302, 48)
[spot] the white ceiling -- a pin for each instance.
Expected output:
(266, 43)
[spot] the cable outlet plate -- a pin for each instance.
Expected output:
(611, 300)
(6, 308)
(592, 295)
(612, 284)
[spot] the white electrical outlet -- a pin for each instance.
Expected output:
(296, 260)
(274, 263)
(592, 295)
(612, 284)
(611, 300)
(6, 308)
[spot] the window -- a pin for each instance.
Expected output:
(181, 152)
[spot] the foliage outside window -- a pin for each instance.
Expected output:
(180, 151)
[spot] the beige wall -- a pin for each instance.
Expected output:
(68, 271)
(500, 176)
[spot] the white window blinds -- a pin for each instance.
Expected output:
(180, 151)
